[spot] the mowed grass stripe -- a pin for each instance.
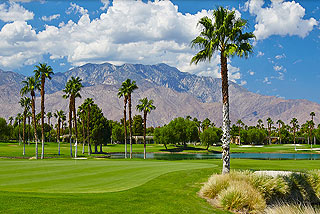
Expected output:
(84, 176)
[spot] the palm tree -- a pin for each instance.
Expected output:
(280, 123)
(240, 123)
(18, 119)
(145, 106)
(72, 91)
(30, 86)
(49, 115)
(88, 103)
(25, 103)
(312, 114)
(310, 124)
(294, 123)
(270, 123)
(205, 124)
(223, 33)
(42, 72)
(82, 114)
(29, 114)
(127, 87)
(59, 115)
(10, 119)
(260, 124)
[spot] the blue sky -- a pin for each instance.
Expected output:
(65, 34)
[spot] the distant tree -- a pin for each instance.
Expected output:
(270, 123)
(123, 92)
(205, 124)
(117, 132)
(4, 129)
(137, 125)
(88, 104)
(42, 72)
(29, 115)
(30, 86)
(145, 106)
(18, 119)
(223, 33)
(256, 136)
(260, 124)
(25, 103)
(294, 123)
(10, 120)
(240, 123)
(198, 123)
(72, 91)
(59, 115)
(312, 114)
(280, 123)
(82, 113)
(208, 137)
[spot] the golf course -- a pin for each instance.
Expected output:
(117, 186)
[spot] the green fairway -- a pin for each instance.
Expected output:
(117, 186)
(84, 176)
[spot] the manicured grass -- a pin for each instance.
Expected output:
(51, 149)
(124, 186)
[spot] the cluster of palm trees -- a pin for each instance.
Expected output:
(305, 129)
(145, 106)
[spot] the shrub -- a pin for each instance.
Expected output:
(291, 208)
(239, 196)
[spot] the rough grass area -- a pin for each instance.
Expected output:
(245, 191)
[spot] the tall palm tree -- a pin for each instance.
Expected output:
(260, 124)
(88, 103)
(59, 115)
(123, 92)
(240, 123)
(25, 103)
(29, 114)
(131, 88)
(294, 123)
(42, 72)
(30, 86)
(82, 115)
(145, 106)
(49, 115)
(72, 91)
(270, 123)
(224, 34)
(280, 123)
(310, 125)
(312, 114)
(18, 119)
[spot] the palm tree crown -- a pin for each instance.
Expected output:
(145, 105)
(30, 86)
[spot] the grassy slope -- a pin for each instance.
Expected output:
(173, 192)
(51, 149)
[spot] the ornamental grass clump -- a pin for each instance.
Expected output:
(291, 208)
(241, 197)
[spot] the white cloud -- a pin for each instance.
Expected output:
(277, 68)
(50, 18)
(243, 82)
(280, 18)
(129, 31)
(260, 54)
(76, 9)
(105, 4)
(267, 81)
(280, 56)
(251, 72)
(14, 12)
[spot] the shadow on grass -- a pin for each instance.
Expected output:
(181, 148)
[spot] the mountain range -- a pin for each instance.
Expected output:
(175, 94)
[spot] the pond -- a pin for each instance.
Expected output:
(263, 156)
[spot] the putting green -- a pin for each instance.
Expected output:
(85, 176)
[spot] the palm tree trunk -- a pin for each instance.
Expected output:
(125, 127)
(42, 115)
(24, 134)
(75, 126)
(144, 135)
(70, 124)
(83, 133)
(130, 128)
(88, 133)
(34, 121)
(58, 136)
(29, 131)
(19, 137)
(225, 113)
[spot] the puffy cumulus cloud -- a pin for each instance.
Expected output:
(50, 18)
(280, 18)
(128, 32)
(14, 12)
